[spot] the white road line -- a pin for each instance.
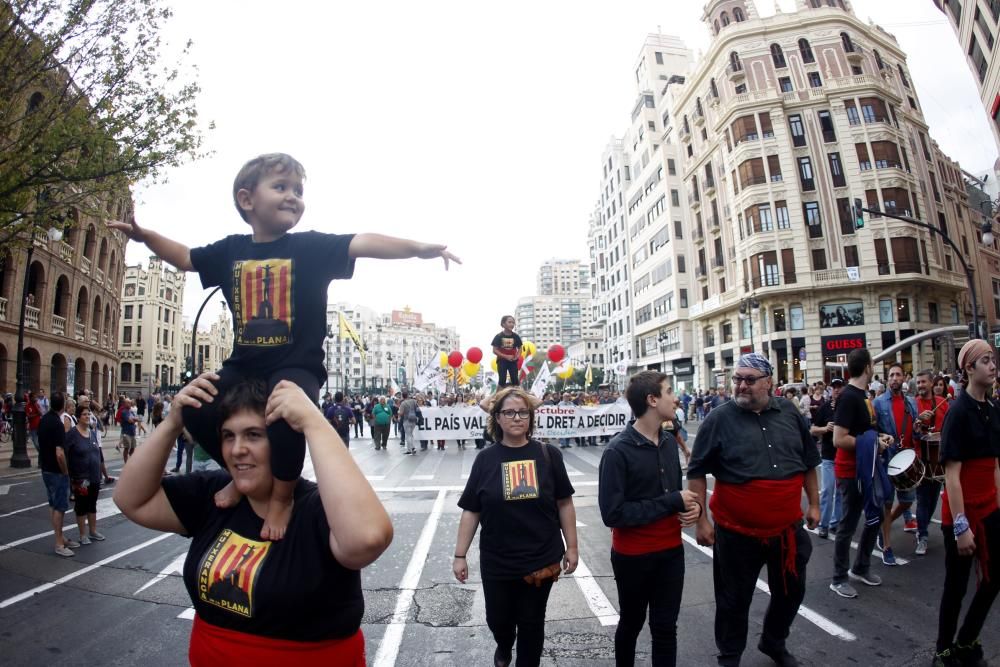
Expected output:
(375, 478)
(598, 602)
(5, 489)
(422, 478)
(187, 614)
(388, 648)
(580, 524)
(23, 509)
(820, 621)
(90, 568)
(105, 508)
(177, 565)
(410, 489)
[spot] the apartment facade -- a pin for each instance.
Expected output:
(563, 277)
(151, 332)
(976, 24)
(783, 122)
(72, 308)
(213, 345)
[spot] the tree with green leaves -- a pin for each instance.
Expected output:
(89, 105)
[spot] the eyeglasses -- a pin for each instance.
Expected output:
(748, 381)
(515, 414)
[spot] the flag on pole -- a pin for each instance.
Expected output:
(347, 331)
(588, 377)
(541, 382)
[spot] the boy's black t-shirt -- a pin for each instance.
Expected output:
(507, 342)
(277, 293)
(854, 411)
(293, 589)
(971, 430)
(520, 530)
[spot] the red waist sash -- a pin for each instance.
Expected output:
(212, 646)
(979, 493)
(660, 535)
(762, 508)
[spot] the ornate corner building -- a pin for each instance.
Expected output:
(71, 317)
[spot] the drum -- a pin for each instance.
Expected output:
(930, 453)
(906, 471)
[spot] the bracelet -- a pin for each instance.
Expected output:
(961, 524)
(457, 556)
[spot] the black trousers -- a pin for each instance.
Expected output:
(656, 581)
(288, 447)
(735, 567)
(516, 610)
(956, 579)
(506, 367)
(853, 510)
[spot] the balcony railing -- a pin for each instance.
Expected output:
(104, 341)
(700, 271)
(719, 262)
(713, 221)
(3, 308)
(908, 267)
(771, 280)
(93, 338)
(709, 183)
(58, 325)
(31, 317)
(699, 234)
(79, 331)
(85, 264)
(735, 71)
(100, 276)
(66, 251)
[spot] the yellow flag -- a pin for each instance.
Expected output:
(347, 331)
(588, 377)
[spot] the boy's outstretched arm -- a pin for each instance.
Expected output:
(170, 251)
(379, 246)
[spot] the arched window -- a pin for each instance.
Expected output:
(845, 39)
(724, 17)
(716, 26)
(734, 62)
(817, 4)
(806, 51)
(714, 88)
(738, 15)
(878, 59)
(697, 105)
(687, 126)
(778, 56)
(902, 76)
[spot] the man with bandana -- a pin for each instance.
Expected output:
(760, 452)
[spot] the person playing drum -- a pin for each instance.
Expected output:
(931, 411)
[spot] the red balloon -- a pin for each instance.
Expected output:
(475, 355)
(520, 362)
(455, 359)
(557, 353)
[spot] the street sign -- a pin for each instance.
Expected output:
(996, 340)
(842, 359)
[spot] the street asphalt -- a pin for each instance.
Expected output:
(121, 601)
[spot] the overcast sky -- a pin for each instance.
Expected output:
(472, 124)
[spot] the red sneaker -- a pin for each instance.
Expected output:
(911, 526)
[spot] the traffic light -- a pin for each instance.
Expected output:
(859, 216)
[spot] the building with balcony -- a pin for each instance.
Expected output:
(547, 320)
(399, 344)
(976, 25)
(72, 308)
(151, 328)
(790, 117)
(569, 277)
(213, 346)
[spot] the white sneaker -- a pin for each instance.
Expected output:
(84, 540)
(64, 551)
(97, 537)
(921, 549)
(72, 544)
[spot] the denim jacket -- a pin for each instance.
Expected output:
(886, 422)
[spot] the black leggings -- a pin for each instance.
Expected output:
(288, 447)
(956, 579)
(515, 609)
(656, 581)
(506, 367)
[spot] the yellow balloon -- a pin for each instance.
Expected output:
(470, 368)
(493, 365)
(528, 349)
(443, 359)
(568, 373)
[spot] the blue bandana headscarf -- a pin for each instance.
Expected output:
(756, 361)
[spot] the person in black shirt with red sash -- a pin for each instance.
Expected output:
(762, 456)
(640, 496)
(970, 520)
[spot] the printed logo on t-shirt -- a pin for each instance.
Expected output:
(507, 343)
(262, 302)
(229, 570)
(871, 412)
(520, 481)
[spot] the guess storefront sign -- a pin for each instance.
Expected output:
(834, 345)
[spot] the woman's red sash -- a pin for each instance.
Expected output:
(212, 646)
(979, 493)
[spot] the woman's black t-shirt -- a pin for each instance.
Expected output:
(293, 589)
(514, 491)
(971, 430)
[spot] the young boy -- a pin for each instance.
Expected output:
(507, 347)
(276, 286)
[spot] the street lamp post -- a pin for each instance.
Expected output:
(19, 455)
(329, 337)
(986, 228)
(749, 309)
(661, 339)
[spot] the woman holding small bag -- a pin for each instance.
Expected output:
(518, 489)
(84, 461)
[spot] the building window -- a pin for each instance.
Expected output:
(815, 81)
(659, 58)
(978, 58)
(837, 171)
(126, 335)
(819, 259)
(852, 113)
(826, 125)
(671, 167)
(727, 332)
(128, 313)
(846, 215)
(797, 129)
(779, 319)
(785, 83)
(996, 297)
(847, 43)
(903, 309)
(851, 255)
(806, 174)
(777, 56)
(797, 317)
(932, 308)
(885, 311)
(781, 215)
(878, 59)
(126, 372)
(810, 211)
(806, 51)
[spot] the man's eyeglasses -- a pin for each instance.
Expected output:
(519, 414)
(747, 380)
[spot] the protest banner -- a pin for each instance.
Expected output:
(463, 422)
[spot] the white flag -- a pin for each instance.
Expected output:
(541, 382)
(428, 375)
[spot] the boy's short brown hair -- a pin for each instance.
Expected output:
(251, 173)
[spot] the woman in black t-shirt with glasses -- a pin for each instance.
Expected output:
(295, 601)
(519, 491)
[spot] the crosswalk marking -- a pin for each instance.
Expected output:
(176, 566)
(105, 508)
(598, 602)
